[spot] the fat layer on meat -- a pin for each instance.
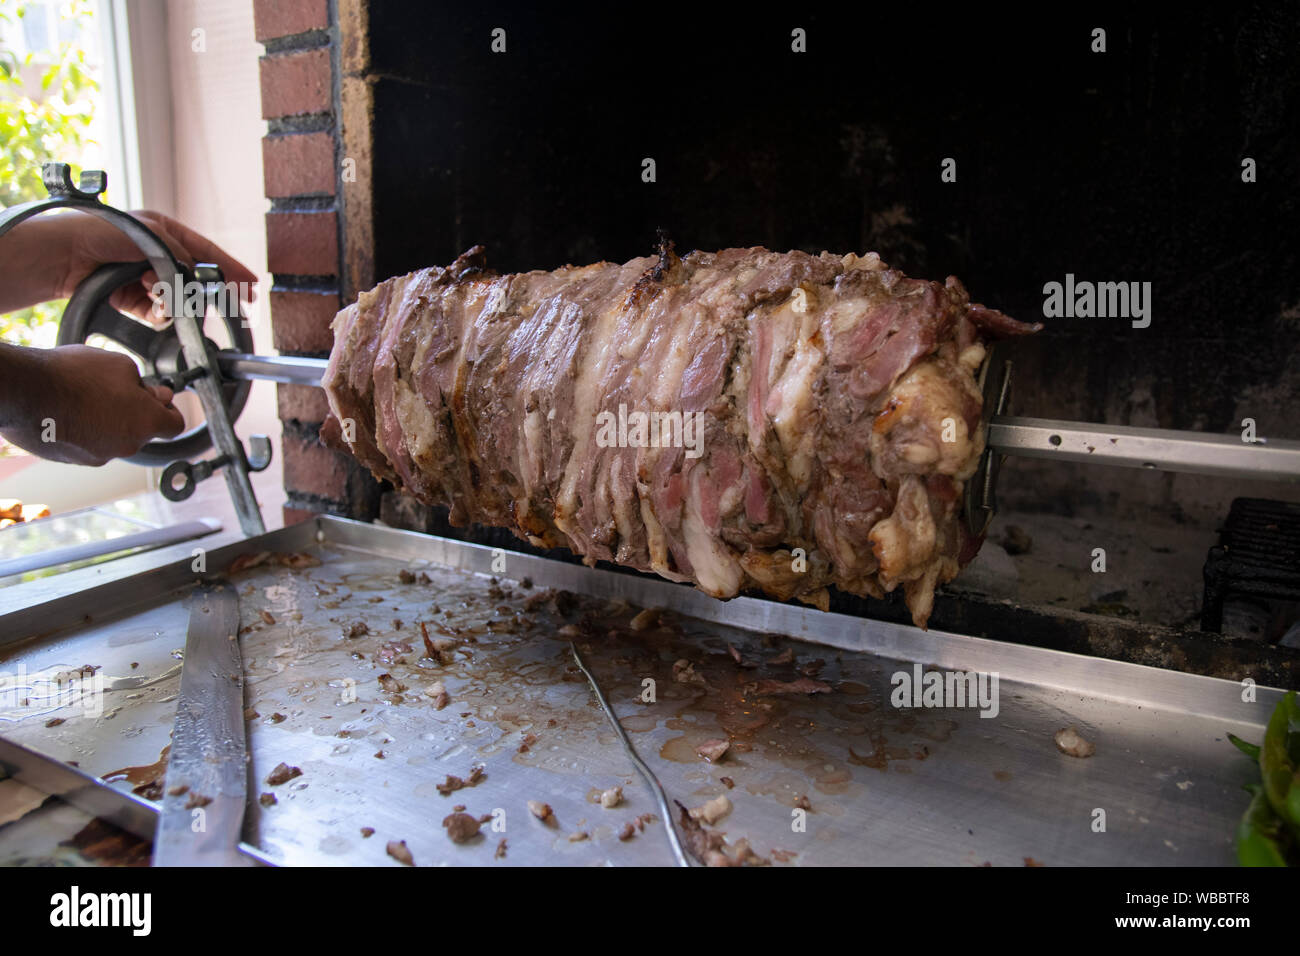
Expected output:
(836, 402)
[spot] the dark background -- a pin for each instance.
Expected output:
(1124, 165)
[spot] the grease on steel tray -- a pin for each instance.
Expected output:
(807, 729)
(105, 845)
(773, 705)
(479, 648)
(651, 781)
(483, 648)
(147, 780)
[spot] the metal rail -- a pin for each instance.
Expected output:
(146, 540)
(1157, 449)
(90, 794)
(208, 765)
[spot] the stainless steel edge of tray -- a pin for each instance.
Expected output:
(1191, 693)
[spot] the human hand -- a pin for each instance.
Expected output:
(80, 404)
(48, 256)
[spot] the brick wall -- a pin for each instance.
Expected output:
(311, 196)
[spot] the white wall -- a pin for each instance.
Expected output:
(217, 131)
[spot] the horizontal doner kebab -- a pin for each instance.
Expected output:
(740, 420)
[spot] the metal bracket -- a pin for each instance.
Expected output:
(980, 501)
(191, 473)
(57, 178)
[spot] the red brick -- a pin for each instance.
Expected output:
(332, 480)
(294, 83)
(301, 403)
(312, 469)
(302, 243)
(296, 515)
(300, 321)
(298, 164)
(285, 18)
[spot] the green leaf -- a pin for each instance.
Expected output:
(1250, 750)
(1259, 834)
(1257, 850)
(1275, 762)
(32, 133)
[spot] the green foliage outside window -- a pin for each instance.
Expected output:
(38, 126)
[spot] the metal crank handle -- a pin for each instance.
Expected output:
(179, 355)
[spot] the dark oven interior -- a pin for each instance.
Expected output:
(1123, 165)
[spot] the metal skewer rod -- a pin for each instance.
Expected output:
(1157, 449)
(656, 788)
(286, 369)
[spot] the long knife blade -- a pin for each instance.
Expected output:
(206, 786)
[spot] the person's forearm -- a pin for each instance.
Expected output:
(20, 382)
(79, 404)
(33, 263)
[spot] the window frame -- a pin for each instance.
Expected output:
(138, 104)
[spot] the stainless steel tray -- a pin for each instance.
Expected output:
(883, 785)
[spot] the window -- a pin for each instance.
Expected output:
(42, 28)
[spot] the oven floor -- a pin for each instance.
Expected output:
(1153, 572)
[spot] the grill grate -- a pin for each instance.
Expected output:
(1257, 559)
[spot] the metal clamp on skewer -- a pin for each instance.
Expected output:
(980, 501)
(177, 382)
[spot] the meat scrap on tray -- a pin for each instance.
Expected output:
(741, 419)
